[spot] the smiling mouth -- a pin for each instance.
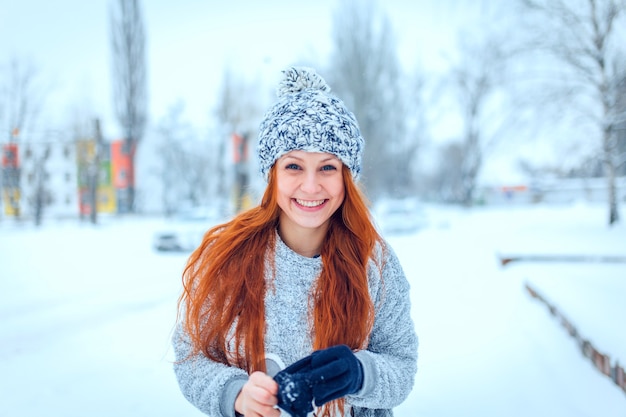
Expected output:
(310, 203)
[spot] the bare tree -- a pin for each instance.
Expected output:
(365, 72)
(620, 130)
(94, 171)
(446, 182)
(186, 162)
(477, 79)
(40, 194)
(22, 96)
(170, 131)
(130, 81)
(238, 113)
(585, 38)
(408, 172)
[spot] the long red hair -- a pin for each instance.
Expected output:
(224, 282)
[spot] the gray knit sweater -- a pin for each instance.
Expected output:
(389, 362)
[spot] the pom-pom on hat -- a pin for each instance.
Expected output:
(310, 118)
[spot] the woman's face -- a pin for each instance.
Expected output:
(310, 188)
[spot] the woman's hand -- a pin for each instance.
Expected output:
(258, 397)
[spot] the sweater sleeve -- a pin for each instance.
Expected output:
(210, 386)
(390, 360)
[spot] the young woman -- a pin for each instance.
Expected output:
(303, 280)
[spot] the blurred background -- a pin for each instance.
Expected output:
(495, 164)
(147, 108)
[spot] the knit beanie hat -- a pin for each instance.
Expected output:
(310, 118)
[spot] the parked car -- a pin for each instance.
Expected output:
(398, 216)
(185, 231)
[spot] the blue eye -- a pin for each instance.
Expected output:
(292, 166)
(329, 168)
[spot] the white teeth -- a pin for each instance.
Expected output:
(309, 203)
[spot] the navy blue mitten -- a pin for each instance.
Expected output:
(335, 373)
(295, 394)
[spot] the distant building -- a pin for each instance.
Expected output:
(27, 166)
(59, 174)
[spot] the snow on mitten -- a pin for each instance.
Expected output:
(294, 388)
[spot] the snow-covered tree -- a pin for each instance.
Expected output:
(365, 73)
(585, 41)
(130, 86)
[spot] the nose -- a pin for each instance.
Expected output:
(310, 183)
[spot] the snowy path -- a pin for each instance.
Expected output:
(86, 315)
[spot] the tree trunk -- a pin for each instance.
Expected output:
(610, 172)
(612, 191)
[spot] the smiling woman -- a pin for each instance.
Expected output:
(308, 263)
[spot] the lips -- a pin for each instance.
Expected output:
(310, 203)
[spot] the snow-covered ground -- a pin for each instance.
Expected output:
(86, 314)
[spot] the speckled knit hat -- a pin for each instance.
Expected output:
(310, 118)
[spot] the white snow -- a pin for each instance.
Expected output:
(86, 314)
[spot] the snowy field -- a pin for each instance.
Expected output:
(86, 315)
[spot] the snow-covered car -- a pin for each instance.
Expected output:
(399, 216)
(185, 231)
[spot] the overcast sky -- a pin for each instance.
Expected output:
(191, 42)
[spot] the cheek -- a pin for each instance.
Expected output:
(342, 194)
(337, 190)
(284, 188)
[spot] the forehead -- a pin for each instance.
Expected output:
(310, 156)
